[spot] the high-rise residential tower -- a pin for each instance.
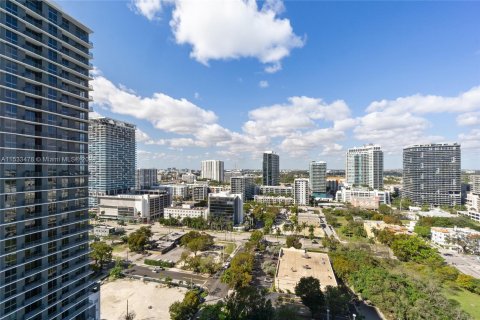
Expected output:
(318, 176)
(364, 167)
(213, 170)
(301, 191)
(432, 174)
(145, 178)
(244, 185)
(44, 251)
(112, 158)
(271, 168)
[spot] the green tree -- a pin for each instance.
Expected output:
(308, 289)
(385, 209)
(116, 271)
(238, 275)
(293, 241)
(423, 231)
(137, 241)
(336, 299)
(249, 303)
(213, 312)
(101, 253)
(412, 248)
(311, 230)
(187, 308)
(286, 312)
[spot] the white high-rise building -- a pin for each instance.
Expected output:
(318, 176)
(364, 167)
(213, 170)
(476, 184)
(301, 191)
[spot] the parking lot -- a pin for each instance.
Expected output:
(467, 264)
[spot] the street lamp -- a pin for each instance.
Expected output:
(354, 316)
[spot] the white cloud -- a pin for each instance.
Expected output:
(263, 84)
(164, 112)
(142, 137)
(148, 8)
(94, 115)
(302, 143)
(400, 122)
(470, 140)
(469, 119)
(298, 114)
(422, 104)
(229, 29)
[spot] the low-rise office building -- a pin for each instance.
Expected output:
(448, 238)
(363, 197)
(185, 211)
(133, 207)
(225, 208)
(276, 190)
(103, 231)
(272, 200)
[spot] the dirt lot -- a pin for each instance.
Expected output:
(140, 295)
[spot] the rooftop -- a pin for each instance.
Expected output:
(295, 264)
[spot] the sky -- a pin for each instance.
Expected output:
(229, 79)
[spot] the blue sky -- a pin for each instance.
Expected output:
(228, 79)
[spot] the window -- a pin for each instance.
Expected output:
(52, 94)
(10, 141)
(11, 260)
(11, 36)
(52, 15)
(52, 29)
(52, 68)
(11, 21)
(52, 43)
(11, 7)
(52, 55)
(10, 80)
(11, 51)
(11, 66)
(11, 110)
(10, 305)
(10, 95)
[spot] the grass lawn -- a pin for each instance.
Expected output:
(470, 302)
(229, 246)
(119, 248)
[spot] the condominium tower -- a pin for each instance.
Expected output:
(244, 185)
(271, 168)
(432, 174)
(301, 191)
(112, 158)
(44, 253)
(364, 166)
(318, 176)
(213, 170)
(145, 178)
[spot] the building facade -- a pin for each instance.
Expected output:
(198, 192)
(363, 197)
(44, 104)
(272, 200)
(244, 185)
(186, 211)
(301, 192)
(432, 174)
(475, 184)
(213, 170)
(318, 176)
(364, 167)
(112, 158)
(145, 178)
(271, 169)
(133, 207)
(276, 190)
(225, 208)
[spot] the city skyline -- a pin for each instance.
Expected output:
(381, 82)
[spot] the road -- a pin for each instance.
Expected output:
(467, 264)
(177, 275)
